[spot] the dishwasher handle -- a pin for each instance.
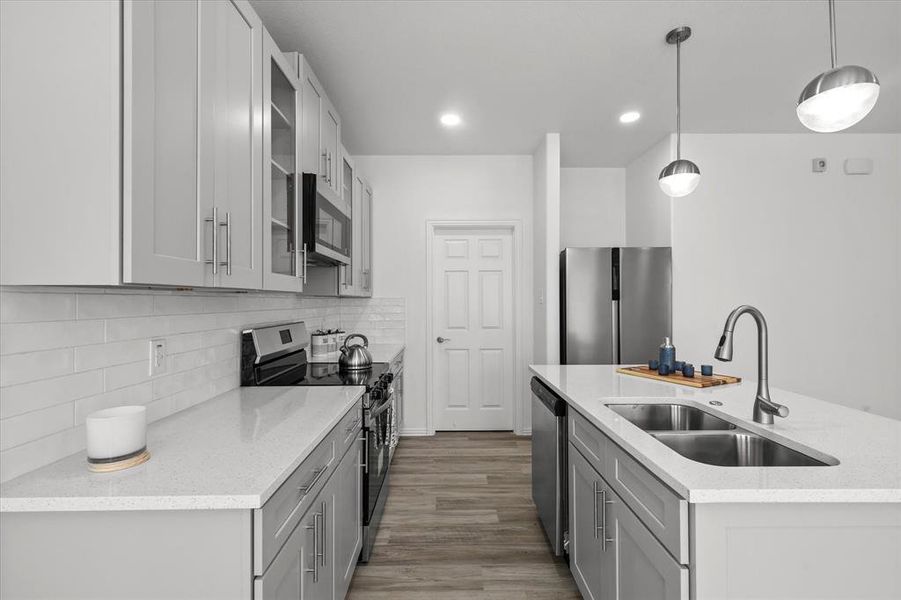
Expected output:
(551, 401)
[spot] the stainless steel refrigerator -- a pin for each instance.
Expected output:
(615, 304)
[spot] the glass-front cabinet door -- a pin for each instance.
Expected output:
(348, 279)
(283, 268)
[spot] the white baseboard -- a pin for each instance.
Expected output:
(408, 432)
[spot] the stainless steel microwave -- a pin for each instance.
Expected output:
(326, 224)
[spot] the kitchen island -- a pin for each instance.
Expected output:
(647, 519)
(239, 493)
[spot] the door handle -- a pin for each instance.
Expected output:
(228, 243)
(595, 509)
(215, 222)
(324, 534)
(441, 340)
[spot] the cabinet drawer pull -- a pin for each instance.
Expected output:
(324, 534)
(316, 475)
(594, 507)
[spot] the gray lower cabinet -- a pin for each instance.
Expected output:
(613, 555)
(318, 560)
(349, 518)
(264, 554)
(584, 542)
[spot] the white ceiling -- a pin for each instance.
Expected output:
(515, 70)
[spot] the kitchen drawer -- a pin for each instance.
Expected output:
(662, 511)
(588, 439)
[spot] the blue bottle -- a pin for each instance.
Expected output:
(668, 355)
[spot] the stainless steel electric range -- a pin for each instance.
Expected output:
(275, 355)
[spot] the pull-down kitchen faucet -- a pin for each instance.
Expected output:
(764, 408)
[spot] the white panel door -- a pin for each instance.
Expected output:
(472, 321)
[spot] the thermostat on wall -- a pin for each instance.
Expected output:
(858, 166)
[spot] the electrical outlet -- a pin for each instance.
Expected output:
(158, 356)
(819, 165)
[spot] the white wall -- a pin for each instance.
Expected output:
(817, 253)
(65, 352)
(546, 248)
(408, 192)
(592, 207)
(648, 210)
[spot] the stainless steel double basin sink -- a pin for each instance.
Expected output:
(706, 438)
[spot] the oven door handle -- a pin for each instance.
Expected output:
(380, 409)
(365, 440)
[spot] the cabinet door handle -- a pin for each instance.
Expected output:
(317, 548)
(324, 534)
(315, 528)
(324, 164)
(594, 507)
(604, 503)
(228, 243)
(214, 220)
(304, 272)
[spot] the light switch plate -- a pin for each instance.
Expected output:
(819, 165)
(158, 357)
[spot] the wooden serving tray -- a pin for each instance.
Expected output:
(698, 381)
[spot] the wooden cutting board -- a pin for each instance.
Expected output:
(698, 381)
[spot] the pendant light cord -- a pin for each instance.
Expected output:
(678, 101)
(832, 49)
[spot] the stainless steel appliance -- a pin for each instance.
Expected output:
(326, 227)
(549, 464)
(355, 356)
(615, 304)
(276, 355)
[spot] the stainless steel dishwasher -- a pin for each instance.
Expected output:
(549, 464)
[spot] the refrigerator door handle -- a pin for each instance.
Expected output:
(615, 328)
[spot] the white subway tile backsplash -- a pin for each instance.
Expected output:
(31, 337)
(134, 394)
(106, 355)
(66, 352)
(31, 366)
(23, 428)
(112, 305)
(25, 307)
(26, 397)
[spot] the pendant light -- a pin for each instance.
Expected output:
(839, 97)
(680, 177)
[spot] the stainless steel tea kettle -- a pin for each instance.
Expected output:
(355, 357)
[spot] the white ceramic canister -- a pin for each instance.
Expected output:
(342, 335)
(332, 340)
(114, 433)
(319, 343)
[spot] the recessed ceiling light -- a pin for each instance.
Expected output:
(629, 117)
(450, 119)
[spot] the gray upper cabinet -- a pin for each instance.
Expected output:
(321, 128)
(164, 236)
(192, 144)
(231, 142)
(366, 244)
(60, 174)
(282, 215)
(166, 192)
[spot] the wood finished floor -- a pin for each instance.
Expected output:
(460, 523)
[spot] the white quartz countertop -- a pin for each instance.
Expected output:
(230, 452)
(867, 446)
(381, 353)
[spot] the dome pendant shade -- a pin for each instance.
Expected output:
(679, 178)
(838, 98)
